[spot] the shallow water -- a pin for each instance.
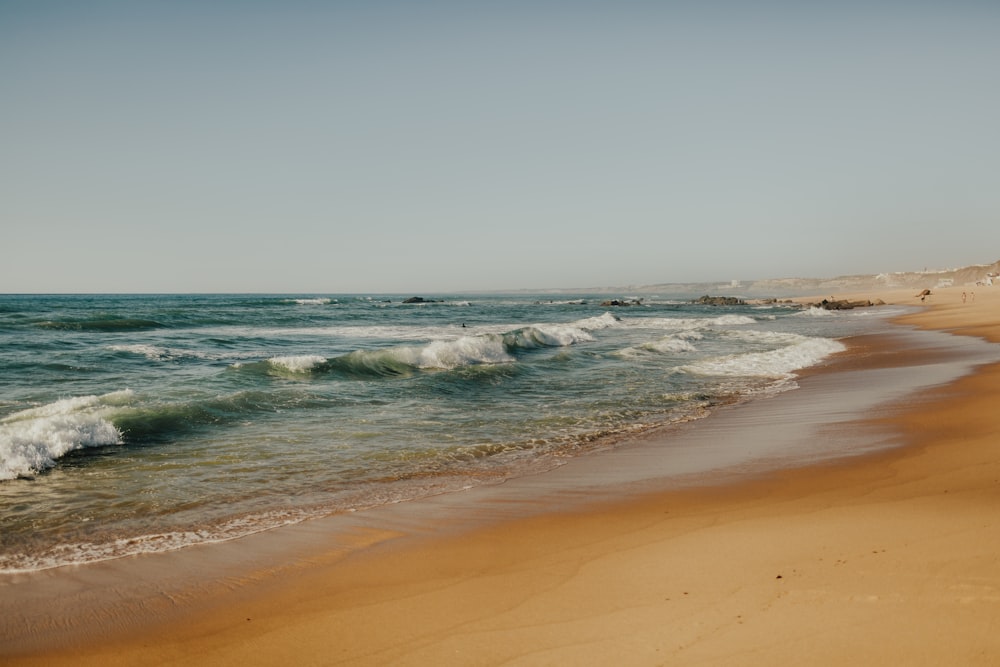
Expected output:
(131, 424)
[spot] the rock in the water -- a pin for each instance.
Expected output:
(719, 301)
(621, 302)
(841, 304)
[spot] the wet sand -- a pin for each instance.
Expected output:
(891, 553)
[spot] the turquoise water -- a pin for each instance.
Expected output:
(131, 424)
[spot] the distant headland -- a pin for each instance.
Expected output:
(978, 274)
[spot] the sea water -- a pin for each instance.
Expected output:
(138, 423)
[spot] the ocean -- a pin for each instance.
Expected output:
(143, 423)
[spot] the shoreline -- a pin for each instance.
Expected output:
(643, 580)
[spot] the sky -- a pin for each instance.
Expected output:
(432, 147)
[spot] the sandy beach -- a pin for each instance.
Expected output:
(892, 556)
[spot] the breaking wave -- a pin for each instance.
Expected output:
(483, 349)
(33, 440)
(774, 363)
(304, 363)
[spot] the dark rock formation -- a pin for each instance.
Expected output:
(419, 299)
(621, 302)
(719, 301)
(844, 304)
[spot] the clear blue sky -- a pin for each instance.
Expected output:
(416, 147)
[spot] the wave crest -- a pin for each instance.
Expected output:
(605, 321)
(667, 345)
(485, 349)
(546, 335)
(304, 363)
(312, 301)
(778, 363)
(439, 354)
(32, 440)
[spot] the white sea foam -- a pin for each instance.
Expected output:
(605, 321)
(312, 301)
(686, 323)
(730, 320)
(672, 344)
(669, 344)
(32, 440)
(813, 311)
(465, 351)
(303, 363)
(764, 337)
(79, 553)
(876, 312)
(549, 335)
(159, 353)
(153, 352)
(776, 363)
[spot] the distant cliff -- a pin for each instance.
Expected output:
(785, 287)
(969, 275)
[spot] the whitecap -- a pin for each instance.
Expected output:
(304, 363)
(605, 321)
(775, 363)
(465, 351)
(547, 335)
(764, 336)
(674, 344)
(312, 301)
(32, 440)
(813, 311)
(154, 352)
(668, 344)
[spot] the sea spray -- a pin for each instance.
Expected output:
(32, 440)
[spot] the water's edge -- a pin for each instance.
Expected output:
(65, 606)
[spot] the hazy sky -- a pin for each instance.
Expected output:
(420, 147)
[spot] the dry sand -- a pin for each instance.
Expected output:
(887, 558)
